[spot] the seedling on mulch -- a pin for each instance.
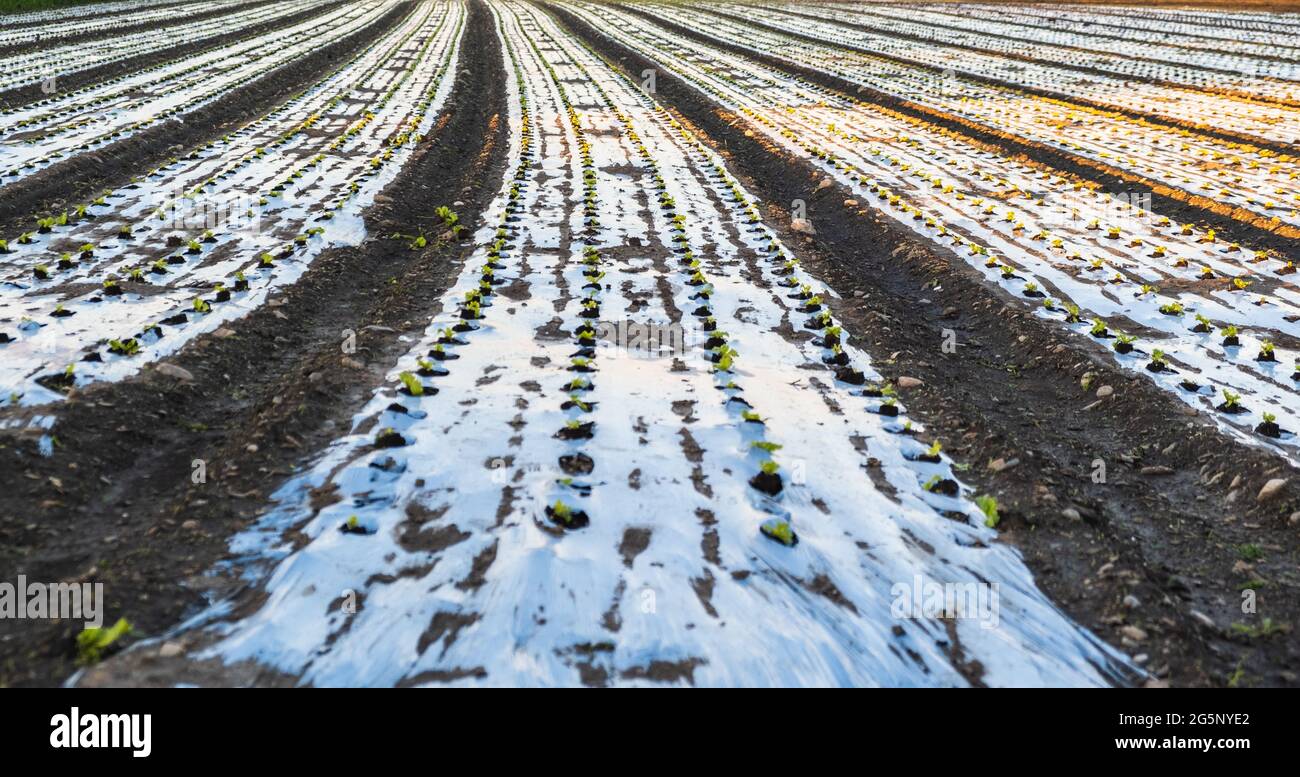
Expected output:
(931, 454)
(127, 347)
(942, 486)
(768, 479)
(779, 530)
(1231, 403)
(563, 515)
(576, 430)
(353, 525)
(1159, 361)
(389, 438)
(1269, 427)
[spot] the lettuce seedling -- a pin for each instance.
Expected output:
(412, 383)
(94, 641)
(779, 530)
(127, 347)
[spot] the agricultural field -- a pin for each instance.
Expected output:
(637, 343)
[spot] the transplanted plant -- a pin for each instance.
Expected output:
(94, 642)
(128, 347)
(1231, 402)
(1230, 336)
(779, 530)
(1269, 427)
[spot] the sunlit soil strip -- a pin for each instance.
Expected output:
(1253, 400)
(158, 301)
(1269, 32)
(1188, 108)
(1255, 80)
(1168, 155)
(458, 574)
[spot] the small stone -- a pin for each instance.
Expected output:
(850, 203)
(190, 525)
(803, 226)
(1203, 619)
(172, 371)
(352, 364)
(1132, 602)
(906, 382)
(251, 447)
(1105, 391)
(223, 333)
(1271, 490)
(823, 184)
(1071, 514)
(1001, 465)
(1157, 470)
(1295, 518)
(170, 650)
(1133, 633)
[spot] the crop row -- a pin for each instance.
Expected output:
(202, 240)
(1043, 236)
(508, 571)
(1255, 180)
(25, 31)
(60, 61)
(41, 135)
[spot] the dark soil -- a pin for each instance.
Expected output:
(1175, 525)
(115, 503)
(1240, 226)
